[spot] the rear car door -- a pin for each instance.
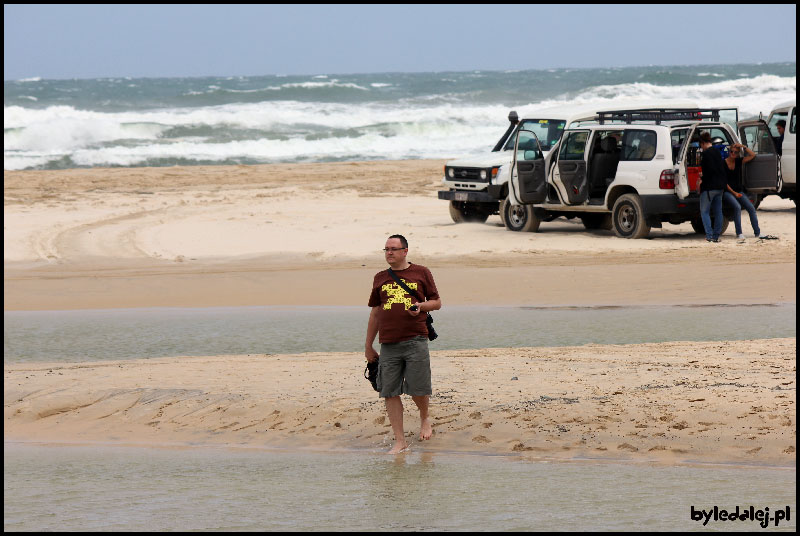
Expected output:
(528, 184)
(761, 175)
(570, 172)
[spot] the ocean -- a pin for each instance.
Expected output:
(59, 124)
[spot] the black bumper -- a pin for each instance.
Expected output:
(670, 204)
(469, 197)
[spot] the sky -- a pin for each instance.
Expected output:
(94, 41)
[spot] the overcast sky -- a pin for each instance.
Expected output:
(89, 41)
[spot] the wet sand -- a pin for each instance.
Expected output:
(673, 403)
(310, 234)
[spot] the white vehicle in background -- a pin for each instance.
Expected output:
(478, 187)
(786, 112)
(632, 170)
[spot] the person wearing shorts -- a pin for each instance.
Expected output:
(404, 366)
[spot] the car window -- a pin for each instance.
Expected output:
(547, 130)
(574, 146)
(793, 122)
(719, 136)
(528, 146)
(638, 145)
(677, 138)
(758, 139)
(773, 120)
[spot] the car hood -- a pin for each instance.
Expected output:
(483, 161)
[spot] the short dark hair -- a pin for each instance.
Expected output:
(705, 137)
(402, 239)
(781, 123)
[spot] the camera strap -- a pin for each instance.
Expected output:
(428, 318)
(403, 285)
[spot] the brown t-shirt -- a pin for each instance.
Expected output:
(394, 322)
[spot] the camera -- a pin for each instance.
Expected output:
(414, 307)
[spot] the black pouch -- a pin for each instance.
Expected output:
(431, 332)
(371, 373)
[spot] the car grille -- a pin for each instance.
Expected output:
(466, 174)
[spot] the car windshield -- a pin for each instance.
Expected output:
(547, 130)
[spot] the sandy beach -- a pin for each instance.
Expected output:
(310, 234)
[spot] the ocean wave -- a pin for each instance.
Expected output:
(751, 95)
(427, 124)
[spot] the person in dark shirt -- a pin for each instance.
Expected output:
(735, 195)
(781, 127)
(712, 184)
(404, 366)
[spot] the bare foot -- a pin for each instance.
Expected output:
(425, 431)
(399, 447)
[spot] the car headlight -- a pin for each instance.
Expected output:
(451, 173)
(483, 174)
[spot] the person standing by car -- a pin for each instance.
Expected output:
(404, 366)
(781, 127)
(712, 183)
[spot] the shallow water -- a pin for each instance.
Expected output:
(133, 489)
(160, 332)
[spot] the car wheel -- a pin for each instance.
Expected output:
(519, 218)
(628, 217)
(597, 221)
(467, 213)
(697, 225)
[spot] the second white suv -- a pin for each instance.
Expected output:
(630, 170)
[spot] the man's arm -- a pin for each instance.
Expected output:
(426, 307)
(430, 305)
(372, 332)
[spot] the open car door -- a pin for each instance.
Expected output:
(762, 174)
(569, 173)
(528, 185)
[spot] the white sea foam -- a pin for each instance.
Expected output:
(751, 95)
(431, 126)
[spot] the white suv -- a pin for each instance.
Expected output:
(787, 112)
(631, 170)
(477, 187)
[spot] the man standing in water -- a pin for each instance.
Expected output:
(405, 366)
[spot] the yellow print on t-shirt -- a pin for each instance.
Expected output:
(396, 294)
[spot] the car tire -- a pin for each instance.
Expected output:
(697, 225)
(520, 218)
(628, 217)
(597, 221)
(465, 213)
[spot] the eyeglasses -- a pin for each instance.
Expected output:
(387, 250)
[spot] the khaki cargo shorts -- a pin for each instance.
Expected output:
(405, 368)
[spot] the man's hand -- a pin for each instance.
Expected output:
(415, 309)
(371, 354)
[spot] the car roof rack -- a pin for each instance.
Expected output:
(658, 115)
